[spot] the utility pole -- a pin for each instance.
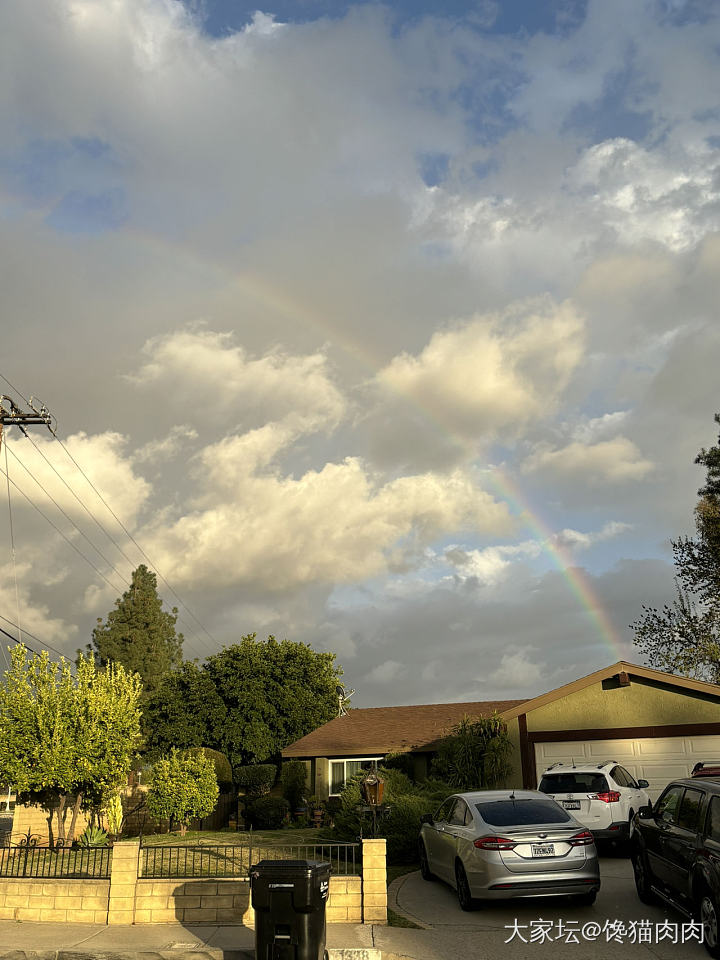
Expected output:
(12, 416)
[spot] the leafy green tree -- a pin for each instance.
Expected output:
(139, 634)
(476, 755)
(684, 636)
(248, 701)
(183, 787)
(184, 711)
(63, 735)
(274, 693)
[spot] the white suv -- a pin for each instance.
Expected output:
(603, 797)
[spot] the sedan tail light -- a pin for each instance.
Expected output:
(494, 843)
(609, 796)
(583, 839)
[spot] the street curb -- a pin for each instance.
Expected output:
(393, 891)
(334, 953)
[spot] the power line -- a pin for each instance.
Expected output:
(134, 541)
(23, 643)
(58, 530)
(43, 416)
(68, 517)
(100, 526)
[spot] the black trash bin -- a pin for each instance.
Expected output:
(289, 898)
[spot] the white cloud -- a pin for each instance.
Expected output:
(166, 448)
(608, 461)
(339, 524)
(104, 461)
(35, 616)
(387, 672)
(644, 195)
(495, 373)
(208, 369)
(577, 540)
(516, 671)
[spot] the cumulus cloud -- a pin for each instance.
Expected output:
(104, 460)
(516, 671)
(607, 461)
(209, 369)
(494, 373)
(166, 448)
(35, 616)
(339, 524)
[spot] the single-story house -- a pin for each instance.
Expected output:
(653, 723)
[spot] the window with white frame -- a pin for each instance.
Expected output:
(342, 770)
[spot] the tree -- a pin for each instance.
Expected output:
(183, 787)
(63, 735)
(184, 711)
(274, 693)
(139, 634)
(476, 755)
(684, 637)
(248, 701)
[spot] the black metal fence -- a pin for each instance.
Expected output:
(178, 861)
(32, 862)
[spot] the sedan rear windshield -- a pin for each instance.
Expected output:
(573, 783)
(511, 813)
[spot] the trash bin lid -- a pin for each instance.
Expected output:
(290, 869)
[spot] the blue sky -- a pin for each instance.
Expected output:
(375, 324)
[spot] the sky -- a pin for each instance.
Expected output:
(388, 328)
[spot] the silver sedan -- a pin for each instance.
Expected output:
(498, 844)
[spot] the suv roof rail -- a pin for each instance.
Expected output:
(606, 763)
(553, 765)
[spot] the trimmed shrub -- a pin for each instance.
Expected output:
(223, 770)
(182, 788)
(293, 776)
(267, 813)
(256, 780)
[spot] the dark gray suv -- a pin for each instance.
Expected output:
(676, 853)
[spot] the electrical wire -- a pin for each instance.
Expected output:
(58, 530)
(134, 541)
(192, 637)
(68, 517)
(115, 517)
(12, 548)
(24, 643)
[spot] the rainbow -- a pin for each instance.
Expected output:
(510, 492)
(287, 306)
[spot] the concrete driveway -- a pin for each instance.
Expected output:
(483, 933)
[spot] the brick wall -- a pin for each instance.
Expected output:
(125, 899)
(72, 901)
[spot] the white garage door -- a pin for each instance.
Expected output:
(655, 759)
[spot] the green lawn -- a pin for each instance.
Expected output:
(285, 837)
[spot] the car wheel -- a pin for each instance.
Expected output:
(642, 877)
(463, 888)
(586, 899)
(425, 870)
(708, 917)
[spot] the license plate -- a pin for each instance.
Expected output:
(543, 849)
(571, 804)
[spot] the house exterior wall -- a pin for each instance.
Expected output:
(516, 777)
(640, 704)
(322, 778)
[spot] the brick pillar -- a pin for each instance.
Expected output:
(123, 881)
(374, 881)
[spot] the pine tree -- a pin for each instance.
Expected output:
(139, 634)
(684, 637)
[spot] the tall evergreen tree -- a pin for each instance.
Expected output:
(684, 637)
(139, 634)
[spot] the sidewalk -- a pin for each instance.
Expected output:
(172, 941)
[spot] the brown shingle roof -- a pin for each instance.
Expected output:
(373, 731)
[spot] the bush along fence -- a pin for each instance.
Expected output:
(175, 883)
